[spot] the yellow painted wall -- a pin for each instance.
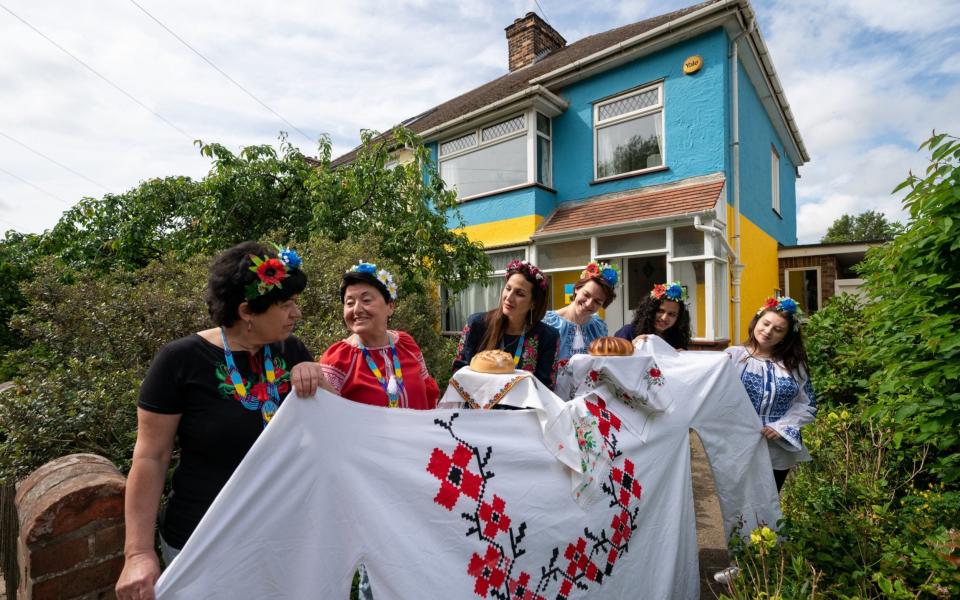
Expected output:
(559, 281)
(501, 233)
(701, 312)
(759, 280)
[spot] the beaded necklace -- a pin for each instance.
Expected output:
(266, 407)
(394, 387)
(518, 351)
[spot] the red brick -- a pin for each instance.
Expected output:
(58, 557)
(108, 541)
(82, 581)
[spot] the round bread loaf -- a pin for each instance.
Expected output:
(493, 361)
(610, 346)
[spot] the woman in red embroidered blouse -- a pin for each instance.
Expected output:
(375, 365)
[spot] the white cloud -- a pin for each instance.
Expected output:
(867, 81)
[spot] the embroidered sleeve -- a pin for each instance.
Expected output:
(335, 364)
(802, 410)
(469, 338)
(548, 348)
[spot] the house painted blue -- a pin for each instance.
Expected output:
(666, 146)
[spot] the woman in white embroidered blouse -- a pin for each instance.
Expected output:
(773, 368)
(577, 322)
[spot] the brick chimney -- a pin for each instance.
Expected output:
(529, 37)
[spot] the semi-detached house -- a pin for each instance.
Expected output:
(666, 146)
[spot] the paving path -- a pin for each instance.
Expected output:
(710, 536)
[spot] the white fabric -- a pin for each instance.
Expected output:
(333, 483)
(560, 423)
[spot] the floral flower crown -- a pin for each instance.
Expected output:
(669, 291)
(382, 275)
(606, 271)
(786, 305)
(529, 269)
(271, 271)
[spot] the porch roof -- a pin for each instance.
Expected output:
(636, 207)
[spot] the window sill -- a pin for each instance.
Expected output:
(630, 174)
(514, 188)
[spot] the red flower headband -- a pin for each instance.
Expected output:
(530, 270)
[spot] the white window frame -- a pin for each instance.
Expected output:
(598, 125)
(495, 273)
(786, 284)
(480, 145)
(775, 179)
(537, 134)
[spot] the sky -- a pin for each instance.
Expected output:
(97, 96)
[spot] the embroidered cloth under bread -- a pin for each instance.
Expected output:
(454, 503)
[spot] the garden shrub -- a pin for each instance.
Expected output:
(93, 339)
(838, 360)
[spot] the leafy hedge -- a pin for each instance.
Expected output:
(877, 512)
(94, 337)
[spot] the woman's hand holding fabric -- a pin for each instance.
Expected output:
(307, 377)
(770, 433)
(139, 575)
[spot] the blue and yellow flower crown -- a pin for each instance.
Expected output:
(606, 271)
(271, 271)
(381, 275)
(784, 304)
(669, 291)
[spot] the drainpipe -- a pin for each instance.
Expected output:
(735, 185)
(736, 266)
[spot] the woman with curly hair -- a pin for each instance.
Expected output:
(577, 322)
(773, 368)
(663, 313)
(515, 326)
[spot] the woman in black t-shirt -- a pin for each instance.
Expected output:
(214, 391)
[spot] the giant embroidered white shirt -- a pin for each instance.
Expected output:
(471, 504)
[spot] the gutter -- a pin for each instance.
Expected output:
(533, 90)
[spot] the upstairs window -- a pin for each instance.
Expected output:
(628, 132)
(544, 175)
(487, 159)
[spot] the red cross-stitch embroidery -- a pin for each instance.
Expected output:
(605, 418)
(624, 480)
(487, 571)
(493, 517)
(454, 477)
(489, 522)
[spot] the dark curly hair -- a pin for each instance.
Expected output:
(229, 277)
(790, 350)
(645, 316)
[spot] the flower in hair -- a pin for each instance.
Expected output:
(607, 272)
(529, 269)
(383, 276)
(784, 305)
(290, 257)
(669, 291)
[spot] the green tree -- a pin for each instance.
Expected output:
(868, 226)
(914, 324)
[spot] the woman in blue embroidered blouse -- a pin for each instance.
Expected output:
(773, 368)
(578, 322)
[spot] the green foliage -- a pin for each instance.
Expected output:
(94, 337)
(857, 523)
(868, 226)
(915, 322)
(17, 255)
(838, 360)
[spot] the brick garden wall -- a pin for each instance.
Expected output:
(70, 544)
